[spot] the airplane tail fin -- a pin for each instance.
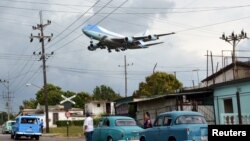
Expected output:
(146, 33)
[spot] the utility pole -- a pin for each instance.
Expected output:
(8, 96)
(234, 39)
(125, 72)
(43, 57)
(197, 72)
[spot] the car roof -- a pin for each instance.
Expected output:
(179, 113)
(117, 117)
(27, 117)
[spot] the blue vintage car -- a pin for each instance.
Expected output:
(177, 126)
(116, 128)
(27, 126)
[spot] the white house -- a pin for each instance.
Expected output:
(100, 107)
(56, 113)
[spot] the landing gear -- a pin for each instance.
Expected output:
(91, 43)
(109, 50)
(117, 50)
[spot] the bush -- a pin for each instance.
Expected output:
(63, 123)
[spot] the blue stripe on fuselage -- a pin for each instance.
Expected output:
(98, 31)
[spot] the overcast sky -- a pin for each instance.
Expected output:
(198, 25)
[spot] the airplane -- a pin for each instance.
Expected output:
(111, 40)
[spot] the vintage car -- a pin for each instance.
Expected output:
(177, 126)
(27, 126)
(7, 126)
(116, 128)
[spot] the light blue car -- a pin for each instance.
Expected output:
(177, 126)
(7, 127)
(117, 128)
(27, 126)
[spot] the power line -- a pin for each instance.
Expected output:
(145, 13)
(84, 13)
(131, 7)
(78, 27)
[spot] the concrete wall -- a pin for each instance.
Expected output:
(227, 92)
(154, 107)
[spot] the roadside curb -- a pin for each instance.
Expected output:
(59, 136)
(49, 135)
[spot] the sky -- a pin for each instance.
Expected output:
(198, 25)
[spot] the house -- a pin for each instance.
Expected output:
(231, 99)
(231, 93)
(199, 100)
(56, 113)
(100, 107)
(242, 70)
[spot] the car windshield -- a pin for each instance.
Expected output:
(29, 120)
(12, 123)
(125, 122)
(190, 119)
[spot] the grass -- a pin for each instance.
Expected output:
(74, 131)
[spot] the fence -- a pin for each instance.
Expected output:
(233, 118)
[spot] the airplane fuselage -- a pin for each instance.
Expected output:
(112, 40)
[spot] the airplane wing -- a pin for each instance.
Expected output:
(152, 37)
(144, 38)
(151, 44)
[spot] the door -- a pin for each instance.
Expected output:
(155, 131)
(104, 130)
(165, 130)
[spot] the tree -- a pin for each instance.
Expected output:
(158, 83)
(30, 104)
(81, 99)
(105, 93)
(54, 95)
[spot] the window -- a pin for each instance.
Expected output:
(28, 120)
(55, 118)
(106, 122)
(125, 122)
(98, 105)
(190, 119)
(167, 121)
(228, 105)
(159, 121)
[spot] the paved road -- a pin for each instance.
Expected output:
(6, 137)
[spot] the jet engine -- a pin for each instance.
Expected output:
(92, 47)
(128, 39)
(153, 37)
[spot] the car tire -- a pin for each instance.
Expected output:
(110, 139)
(37, 137)
(172, 139)
(142, 139)
(11, 136)
(16, 137)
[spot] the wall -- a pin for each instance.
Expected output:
(154, 107)
(229, 91)
(92, 107)
(243, 72)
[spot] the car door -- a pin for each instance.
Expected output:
(155, 131)
(165, 129)
(97, 131)
(105, 129)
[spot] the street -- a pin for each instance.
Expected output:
(6, 137)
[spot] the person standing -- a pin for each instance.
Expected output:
(147, 121)
(41, 125)
(88, 127)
